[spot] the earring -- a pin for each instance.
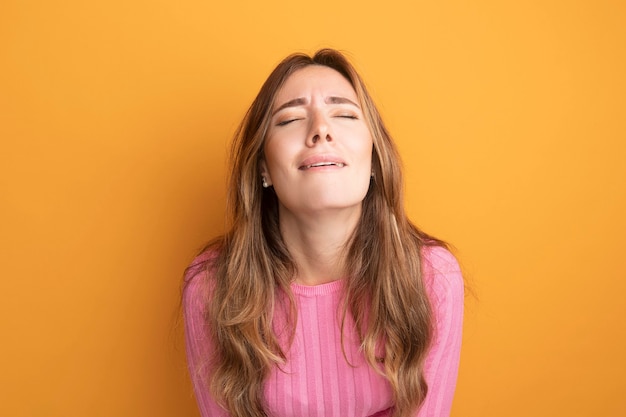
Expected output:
(264, 182)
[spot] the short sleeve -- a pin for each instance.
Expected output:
(445, 288)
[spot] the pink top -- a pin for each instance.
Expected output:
(317, 380)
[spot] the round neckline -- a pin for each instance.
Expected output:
(320, 289)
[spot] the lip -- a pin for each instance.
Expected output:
(322, 161)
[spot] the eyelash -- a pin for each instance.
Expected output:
(286, 122)
(345, 116)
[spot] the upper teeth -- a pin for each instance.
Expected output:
(321, 164)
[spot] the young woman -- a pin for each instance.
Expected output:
(322, 299)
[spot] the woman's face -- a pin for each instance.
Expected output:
(318, 148)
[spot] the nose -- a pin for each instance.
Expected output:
(319, 129)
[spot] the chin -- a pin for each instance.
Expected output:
(323, 198)
(326, 204)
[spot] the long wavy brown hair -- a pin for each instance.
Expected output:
(251, 265)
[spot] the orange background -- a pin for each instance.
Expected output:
(114, 121)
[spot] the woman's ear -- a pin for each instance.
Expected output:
(266, 180)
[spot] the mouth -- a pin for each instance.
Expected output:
(323, 164)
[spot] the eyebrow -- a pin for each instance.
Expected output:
(302, 101)
(291, 103)
(340, 100)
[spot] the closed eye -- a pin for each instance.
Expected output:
(286, 122)
(348, 116)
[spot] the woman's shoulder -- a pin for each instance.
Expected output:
(200, 266)
(441, 271)
(197, 278)
(439, 259)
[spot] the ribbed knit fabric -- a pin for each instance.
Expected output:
(317, 380)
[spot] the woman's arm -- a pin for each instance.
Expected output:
(197, 339)
(445, 288)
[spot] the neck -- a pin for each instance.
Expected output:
(317, 242)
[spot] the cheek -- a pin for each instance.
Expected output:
(278, 155)
(363, 146)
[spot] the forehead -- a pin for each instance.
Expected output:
(315, 79)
